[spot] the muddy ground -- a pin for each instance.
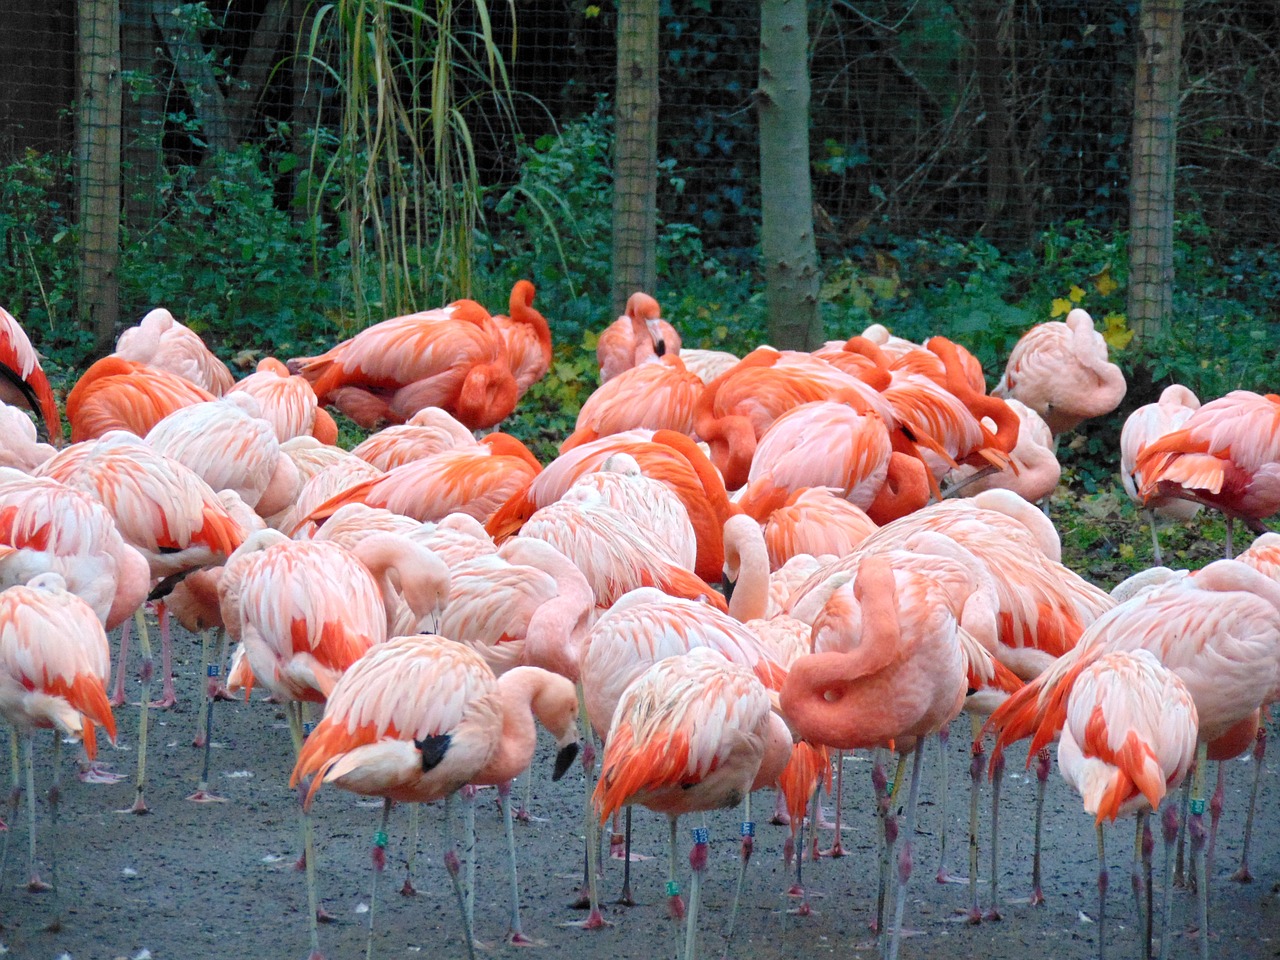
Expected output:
(217, 880)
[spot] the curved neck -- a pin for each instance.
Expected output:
(746, 561)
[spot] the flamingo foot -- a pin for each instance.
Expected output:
(139, 806)
(523, 940)
(36, 885)
(408, 890)
(835, 851)
(97, 773)
(116, 700)
(524, 816)
(992, 915)
(220, 693)
(781, 819)
(804, 910)
(204, 795)
(582, 902)
(1037, 897)
(617, 846)
(1243, 875)
(165, 702)
(324, 916)
(625, 899)
(595, 921)
(973, 916)
(946, 876)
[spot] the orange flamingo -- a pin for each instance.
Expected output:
(651, 396)
(23, 381)
(413, 721)
(706, 365)
(451, 357)
(527, 337)
(474, 480)
(428, 432)
(1129, 735)
(689, 734)
(815, 521)
(1060, 370)
(1033, 470)
(663, 455)
(1218, 629)
(901, 683)
(119, 394)
(637, 337)
(1226, 455)
(54, 663)
(323, 478)
(287, 403)
(230, 447)
(1150, 422)
(161, 341)
(22, 447)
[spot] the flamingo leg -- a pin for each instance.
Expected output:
(522, 812)
(453, 865)
(1103, 877)
(144, 707)
(595, 919)
(1170, 830)
(1184, 804)
(1042, 781)
(212, 671)
(748, 831)
(1136, 881)
(55, 794)
(1259, 751)
(698, 861)
(625, 898)
(168, 696)
(1196, 829)
(905, 855)
(34, 883)
(379, 858)
(293, 710)
(837, 845)
(203, 710)
(1216, 803)
(944, 791)
(675, 905)
(469, 852)
(1155, 538)
(415, 825)
(117, 694)
(1148, 851)
(976, 766)
(997, 779)
(516, 934)
(15, 796)
(1230, 550)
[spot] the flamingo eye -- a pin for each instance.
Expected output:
(831, 696)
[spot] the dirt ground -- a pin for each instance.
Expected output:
(218, 880)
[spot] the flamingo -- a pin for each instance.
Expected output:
(428, 432)
(1218, 629)
(1129, 735)
(413, 720)
(23, 380)
(230, 447)
(287, 403)
(651, 396)
(1060, 370)
(54, 664)
(452, 357)
(161, 341)
(662, 455)
(22, 447)
(119, 394)
(1150, 422)
(1033, 471)
(526, 336)
(899, 684)
(1226, 455)
(637, 337)
(475, 480)
(323, 478)
(815, 521)
(169, 515)
(689, 734)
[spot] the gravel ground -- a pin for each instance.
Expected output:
(218, 880)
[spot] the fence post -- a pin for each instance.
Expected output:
(635, 160)
(98, 167)
(1151, 183)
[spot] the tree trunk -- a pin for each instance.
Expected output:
(1003, 171)
(143, 112)
(98, 167)
(1151, 184)
(786, 191)
(195, 68)
(635, 164)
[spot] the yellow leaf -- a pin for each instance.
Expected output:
(589, 339)
(1075, 294)
(1104, 283)
(1115, 331)
(1061, 307)
(592, 12)
(1126, 551)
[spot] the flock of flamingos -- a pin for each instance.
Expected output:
(869, 507)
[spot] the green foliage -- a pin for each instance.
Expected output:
(228, 262)
(549, 411)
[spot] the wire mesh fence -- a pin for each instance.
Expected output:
(996, 118)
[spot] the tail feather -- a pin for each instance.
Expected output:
(808, 766)
(629, 767)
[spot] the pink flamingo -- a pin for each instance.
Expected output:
(23, 380)
(161, 341)
(1150, 422)
(287, 403)
(637, 337)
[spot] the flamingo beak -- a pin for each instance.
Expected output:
(564, 760)
(659, 345)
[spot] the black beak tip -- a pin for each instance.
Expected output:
(564, 760)
(661, 348)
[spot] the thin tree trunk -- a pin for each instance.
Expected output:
(635, 164)
(195, 69)
(143, 117)
(1151, 185)
(786, 190)
(98, 167)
